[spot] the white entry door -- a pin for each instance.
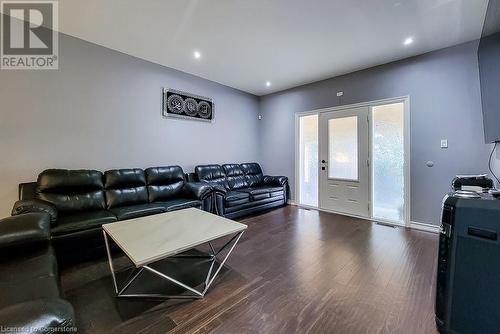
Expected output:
(344, 161)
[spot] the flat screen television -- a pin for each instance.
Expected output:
(489, 72)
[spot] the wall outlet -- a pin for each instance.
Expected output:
(339, 94)
(444, 143)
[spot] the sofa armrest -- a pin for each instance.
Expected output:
(279, 181)
(219, 200)
(47, 315)
(217, 188)
(198, 190)
(220, 193)
(35, 205)
(24, 230)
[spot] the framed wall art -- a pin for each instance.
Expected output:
(185, 105)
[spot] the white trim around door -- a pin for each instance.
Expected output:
(407, 153)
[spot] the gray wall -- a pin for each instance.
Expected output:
(445, 103)
(496, 164)
(102, 109)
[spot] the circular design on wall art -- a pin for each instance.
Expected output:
(175, 104)
(204, 109)
(190, 107)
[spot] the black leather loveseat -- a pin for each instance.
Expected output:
(30, 299)
(242, 189)
(80, 201)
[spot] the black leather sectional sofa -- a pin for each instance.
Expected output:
(30, 300)
(242, 189)
(80, 201)
(58, 219)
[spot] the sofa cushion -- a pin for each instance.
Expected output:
(258, 193)
(212, 174)
(29, 275)
(139, 210)
(24, 231)
(28, 265)
(236, 195)
(92, 200)
(71, 190)
(164, 183)
(234, 198)
(255, 203)
(235, 176)
(260, 190)
(125, 187)
(50, 315)
(123, 197)
(54, 180)
(253, 173)
(124, 178)
(27, 290)
(179, 204)
(81, 221)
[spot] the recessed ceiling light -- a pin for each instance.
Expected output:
(268, 83)
(408, 41)
(197, 55)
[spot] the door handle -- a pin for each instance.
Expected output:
(323, 161)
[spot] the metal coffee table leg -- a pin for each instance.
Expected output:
(120, 292)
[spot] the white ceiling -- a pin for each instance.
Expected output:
(245, 43)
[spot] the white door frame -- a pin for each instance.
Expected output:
(407, 187)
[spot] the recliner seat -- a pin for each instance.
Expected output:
(29, 279)
(242, 189)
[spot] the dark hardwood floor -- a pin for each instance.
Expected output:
(294, 271)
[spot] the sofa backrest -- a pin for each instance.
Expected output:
(213, 174)
(164, 183)
(125, 187)
(71, 190)
(235, 176)
(27, 190)
(253, 173)
(191, 177)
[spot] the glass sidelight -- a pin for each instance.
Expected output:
(388, 171)
(308, 160)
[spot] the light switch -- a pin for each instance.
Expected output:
(444, 143)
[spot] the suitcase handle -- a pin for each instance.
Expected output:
(484, 234)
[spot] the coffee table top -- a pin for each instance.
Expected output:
(152, 238)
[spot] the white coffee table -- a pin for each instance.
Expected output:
(146, 240)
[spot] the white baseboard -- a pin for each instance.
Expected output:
(413, 225)
(424, 227)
